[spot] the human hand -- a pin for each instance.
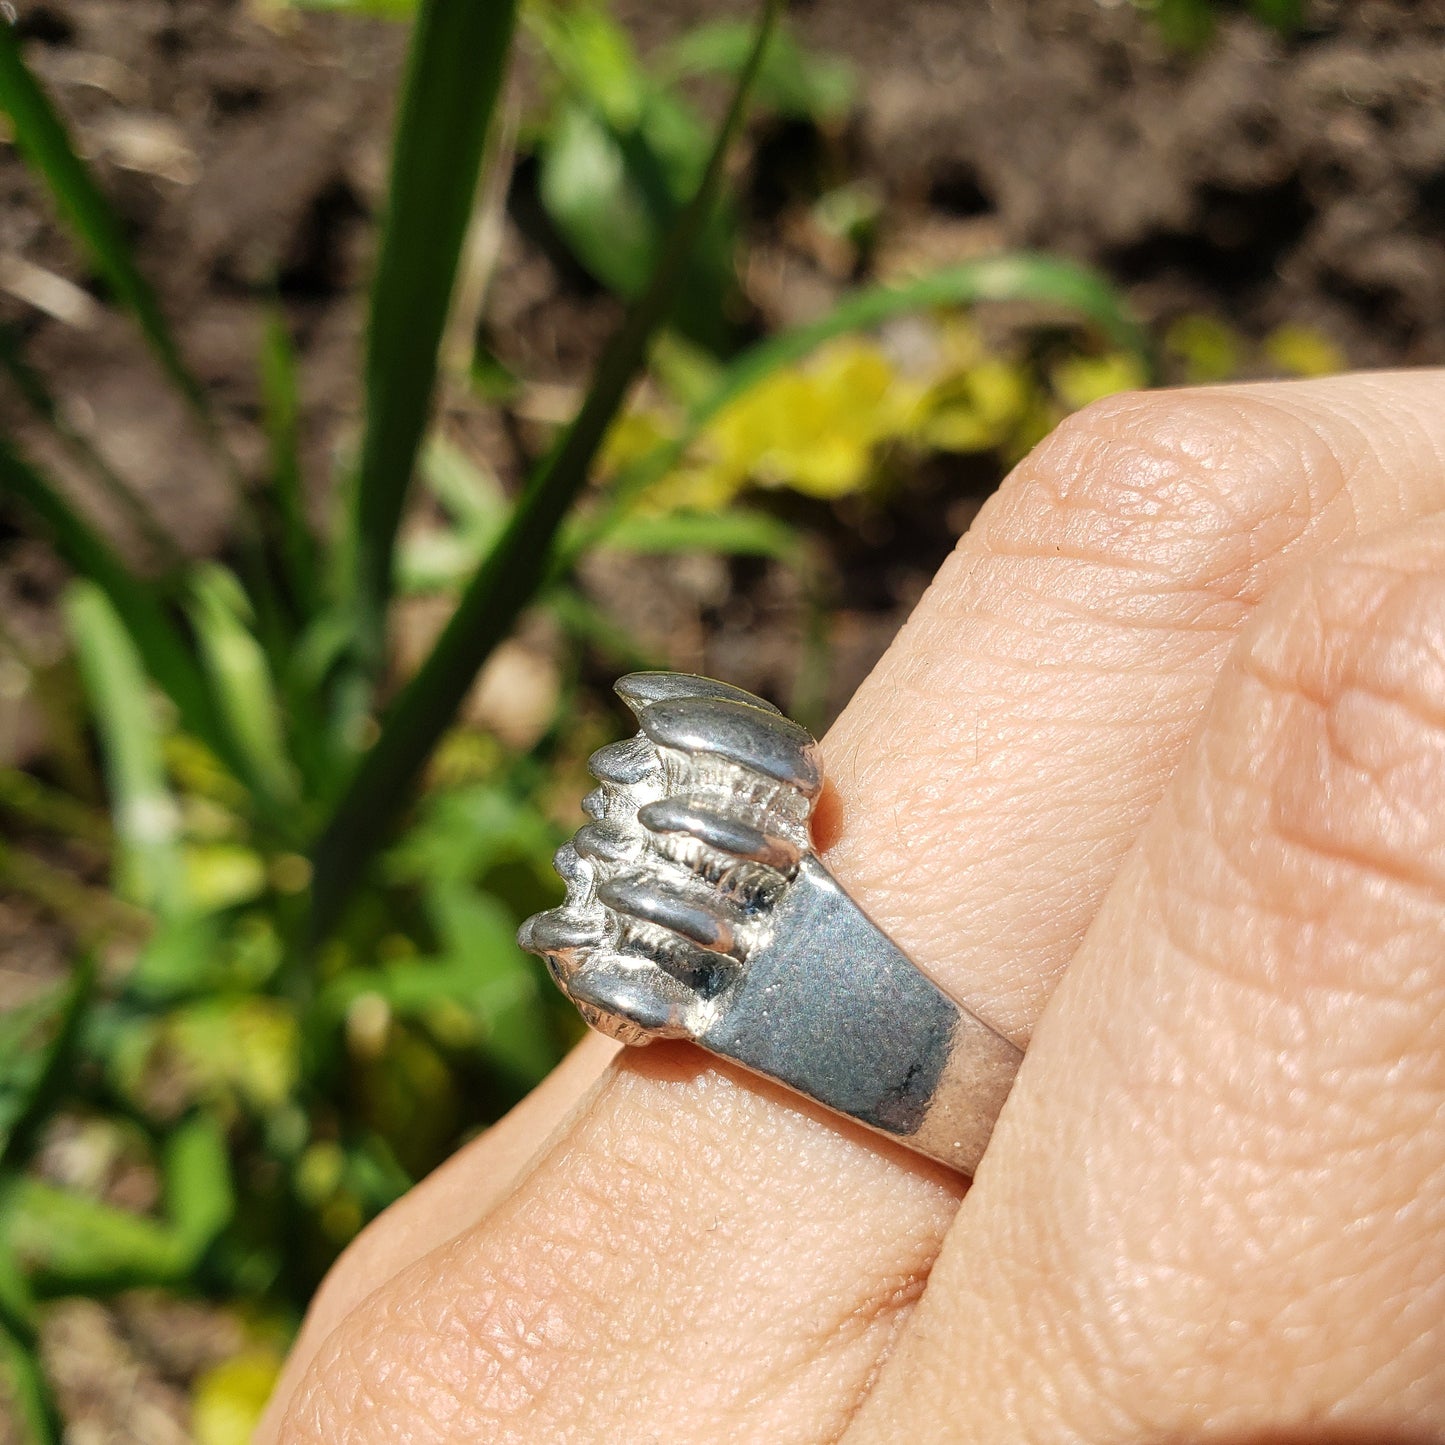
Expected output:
(1172, 719)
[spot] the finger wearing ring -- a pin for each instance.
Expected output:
(697, 908)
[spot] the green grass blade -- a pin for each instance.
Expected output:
(793, 81)
(147, 820)
(736, 532)
(31, 386)
(1286, 16)
(74, 1244)
(199, 1191)
(38, 805)
(35, 1063)
(42, 137)
(20, 1358)
(160, 644)
(518, 564)
(618, 160)
(459, 51)
(281, 405)
(1020, 276)
(1014, 277)
(241, 682)
(95, 916)
(1184, 24)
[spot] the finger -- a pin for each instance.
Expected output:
(1081, 619)
(992, 772)
(450, 1199)
(1215, 1209)
(1026, 721)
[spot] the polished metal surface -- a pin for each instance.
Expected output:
(696, 908)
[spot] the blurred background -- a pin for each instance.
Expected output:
(381, 378)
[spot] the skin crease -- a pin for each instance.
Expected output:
(1035, 706)
(1275, 938)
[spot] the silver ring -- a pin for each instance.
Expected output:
(698, 909)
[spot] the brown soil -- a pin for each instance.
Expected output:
(1264, 181)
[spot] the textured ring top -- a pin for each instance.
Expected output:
(697, 908)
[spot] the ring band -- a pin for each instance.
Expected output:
(697, 908)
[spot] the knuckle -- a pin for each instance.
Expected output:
(426, 1369)
(1185, 491)
(1344, 741)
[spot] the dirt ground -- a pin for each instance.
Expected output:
(1263, 182)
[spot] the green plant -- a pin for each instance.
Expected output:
(619, 147)
(1190, 24)
(306, 983)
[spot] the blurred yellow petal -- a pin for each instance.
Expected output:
(221, 875)
(957, 429)
(228, 1400)
(975, 410)
(834, 467)
(630, 438)
(1207, 348)
(1303, 351)
(319, 1172)
(1082, 379)
(812, 428)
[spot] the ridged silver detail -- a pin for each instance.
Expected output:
(697, 826)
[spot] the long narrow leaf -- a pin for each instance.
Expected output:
(73, 1244)
(280, 392)
(20, 1355)
(162, 647)
(458, 54)
(736, 532)
(95, 916)
(70, 1243)
(619, 159)
(1018, 276)
(37, 1054)
(200, 1193)
(41, 806)
(518, 563)
(147, 820)
(241, 681)
(41, 135)
(37, 395)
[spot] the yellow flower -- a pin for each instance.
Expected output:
(814, 429)
(630, 438)
(1303, 351)
(1082, 379)
(1208, 349)
(222, 875)
(228, 1400)
(975, 409)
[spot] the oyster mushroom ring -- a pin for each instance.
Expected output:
(697, 908)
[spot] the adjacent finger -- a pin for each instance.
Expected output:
(1025, 722)
(1217, 1206)
(450, 1199)
(992, 773)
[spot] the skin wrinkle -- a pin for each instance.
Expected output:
(1130, 762)
(1178, 487)
(768, 1350)
(1227, 1132)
